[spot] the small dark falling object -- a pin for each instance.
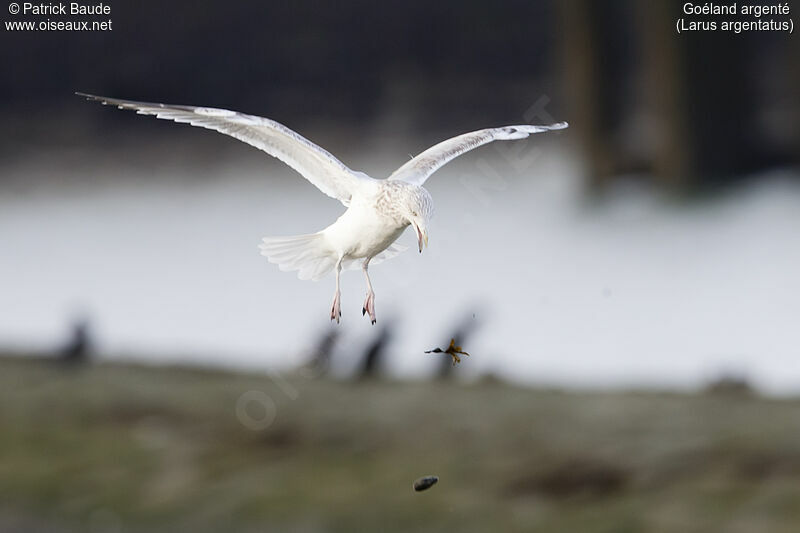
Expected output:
(452, 350)
(424, 483)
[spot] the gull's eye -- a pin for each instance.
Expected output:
(414, 213)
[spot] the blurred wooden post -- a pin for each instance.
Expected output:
(700, 92)
(664, 84)
(584, 82)
(794, 59)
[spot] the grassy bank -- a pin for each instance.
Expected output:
(130, 448)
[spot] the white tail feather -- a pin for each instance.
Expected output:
(308, 254)
(311, 257)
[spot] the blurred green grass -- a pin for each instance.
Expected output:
(113, 447)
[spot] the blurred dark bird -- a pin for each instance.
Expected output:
(320, 358)
(375, 352)
(378, 211)
(76, 349)
(452, 350)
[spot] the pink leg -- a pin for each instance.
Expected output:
(369, 303)
(336, 308)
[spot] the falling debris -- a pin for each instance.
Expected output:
(462, 331)
(452, 350)
(424, 483)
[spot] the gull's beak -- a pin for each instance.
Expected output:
(422, 237)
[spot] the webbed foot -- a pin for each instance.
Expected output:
(336, 308)
(369, 307)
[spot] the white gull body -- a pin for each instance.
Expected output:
(378, 211)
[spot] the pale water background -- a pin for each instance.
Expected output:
(633, 289)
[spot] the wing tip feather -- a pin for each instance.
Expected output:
(522, 131)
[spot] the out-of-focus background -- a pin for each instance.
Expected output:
(628, 288)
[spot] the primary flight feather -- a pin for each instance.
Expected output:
(378, 211)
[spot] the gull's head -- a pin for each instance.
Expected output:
(418, 210)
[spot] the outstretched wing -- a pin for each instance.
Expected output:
(315, 164)
(421, 167)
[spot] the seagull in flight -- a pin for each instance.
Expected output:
(378, 210)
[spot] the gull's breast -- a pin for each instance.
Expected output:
(363, 231)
